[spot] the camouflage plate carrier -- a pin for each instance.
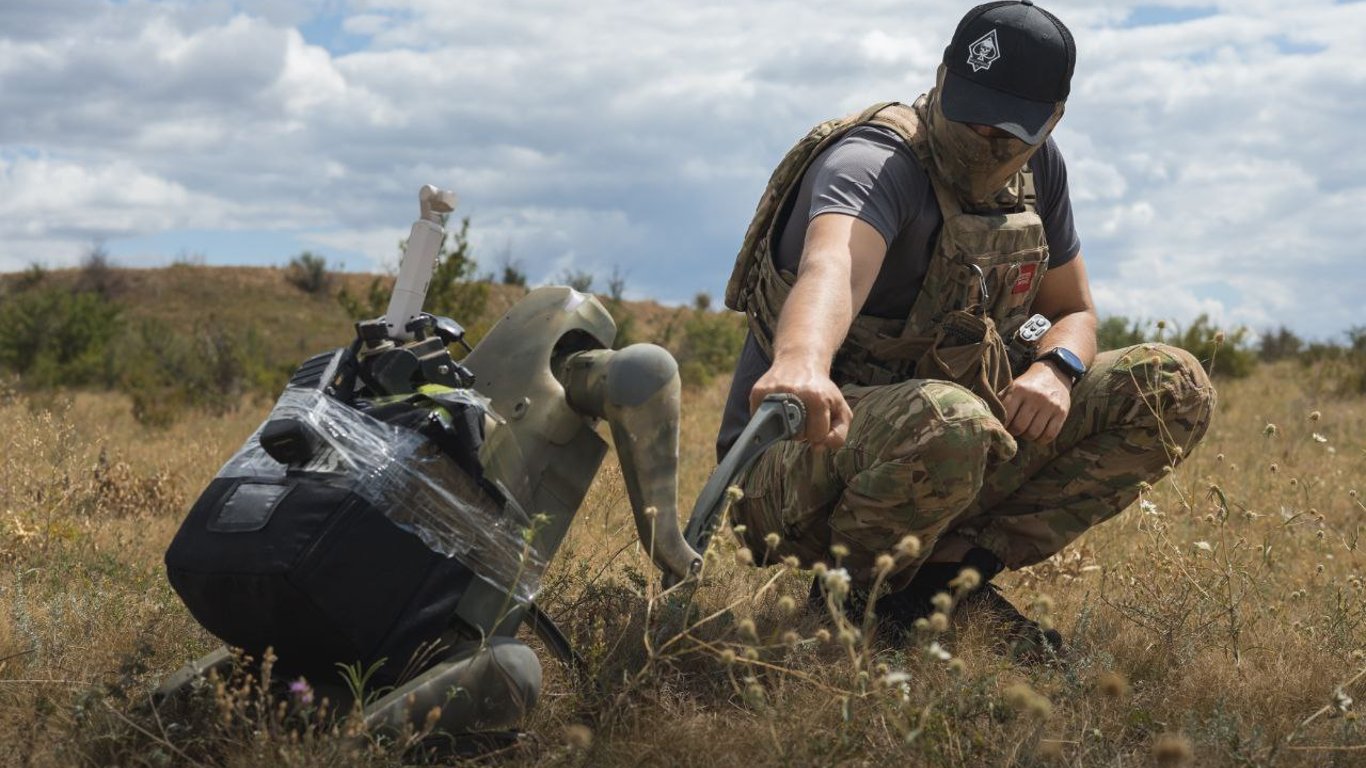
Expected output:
(983, 275)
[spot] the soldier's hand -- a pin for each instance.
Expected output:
(827, 414)
(1037, 403)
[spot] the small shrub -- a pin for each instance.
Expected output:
(1118, 332)
(98, 275)
(309, 273)
(167, 372)
(1222, 353)
(1279, 345)
(55, 337)
(513, 274)
(577, 279)
(711, 343)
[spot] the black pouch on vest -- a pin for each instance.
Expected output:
(304, 565)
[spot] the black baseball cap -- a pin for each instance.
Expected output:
(1009, 65)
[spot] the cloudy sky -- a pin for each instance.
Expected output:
(1209, 146)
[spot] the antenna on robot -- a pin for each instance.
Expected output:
(419, 261)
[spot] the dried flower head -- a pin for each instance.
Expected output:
(1341, 701)
(754, 694)
(772, 540)
(734, 493)
(819, 570)
(743, 556)
(839, 551)
(792, 561)
(1043, 604)
(884, 564)
(791, 638)
(1112, 685)
(823, 635)
(740, 529)
(787, 605)
(1028, 701)
(837, 583)
(1172, 749)
(957, 666)
(728, 656)
(747, 629)
(578, 736)
(893, 679)
(967, 580)
(909, 546)
(942, 601)
(939, 622)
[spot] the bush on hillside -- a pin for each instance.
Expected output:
(309, 273)
(97, 274)
(54, 337)
(711, 343)
(1223, 353)
(1118, 332)
(167, 371)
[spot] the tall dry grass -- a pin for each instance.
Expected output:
(1221, 621)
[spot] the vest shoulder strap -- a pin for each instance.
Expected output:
(782, 185)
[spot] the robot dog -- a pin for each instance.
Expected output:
(397, 508)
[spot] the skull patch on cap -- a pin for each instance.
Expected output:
(984, 52)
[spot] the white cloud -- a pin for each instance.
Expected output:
(1213, 163)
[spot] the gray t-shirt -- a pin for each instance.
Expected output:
(873, 175)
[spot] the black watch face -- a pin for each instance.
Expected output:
(1069, 361)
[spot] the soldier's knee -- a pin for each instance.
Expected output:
(1172, 385)
(936, 422)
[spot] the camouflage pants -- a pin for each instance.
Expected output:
(928, 458)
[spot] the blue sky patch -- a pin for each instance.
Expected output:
(231, 247)
(1157, 15)
(1286, 45)
(326, 31)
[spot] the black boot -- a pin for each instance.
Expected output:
(1021, 635)
(854, 607)
(915, 600)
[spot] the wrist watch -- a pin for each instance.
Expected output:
(1067, 361)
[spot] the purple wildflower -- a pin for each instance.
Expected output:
(301, 691)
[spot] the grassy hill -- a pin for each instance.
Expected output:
(197, 336)
(1220, 622)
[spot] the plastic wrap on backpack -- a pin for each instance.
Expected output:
(418, 487)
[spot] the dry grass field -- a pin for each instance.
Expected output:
(1219, 622)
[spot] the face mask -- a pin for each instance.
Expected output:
(975, 167)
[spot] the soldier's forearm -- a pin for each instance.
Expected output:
(1075, 331)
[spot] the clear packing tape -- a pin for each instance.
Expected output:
(412, 482)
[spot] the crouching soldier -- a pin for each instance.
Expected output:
(914, 276)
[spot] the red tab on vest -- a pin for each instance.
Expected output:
(1025, 279)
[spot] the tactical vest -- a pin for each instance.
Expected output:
(983, 275)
